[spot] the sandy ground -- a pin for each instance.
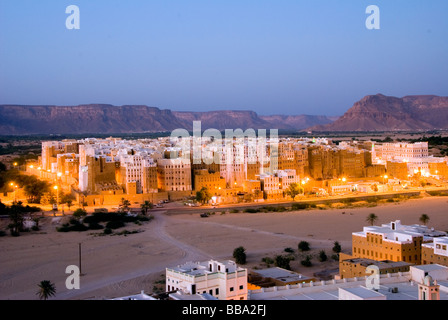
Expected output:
(120, 265)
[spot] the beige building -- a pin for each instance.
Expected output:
(210, 180)
(436, 252)
(393, 241)
(174, 174)
(350, 267)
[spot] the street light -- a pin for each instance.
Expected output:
(57, 195)
(15, 188)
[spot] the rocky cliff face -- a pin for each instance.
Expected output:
(103, 118)
(383, 113)
(84, 119)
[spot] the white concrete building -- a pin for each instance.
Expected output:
(224, 280)
(392, 286)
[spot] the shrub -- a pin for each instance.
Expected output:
(74, 221)
(267, 260)
(290, 250)
(74, 227)
(235, 211)
(335, 257)
(304, 246)
(79, 213)
(251, 210)
(2, 233)
(337, 247)
(322, 256)
(282, 262)
(95, 226)
(274, 209)
(107, 231)
(307, 261)
(299, 206)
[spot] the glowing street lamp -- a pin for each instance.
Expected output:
(15, 189)
(57, 194)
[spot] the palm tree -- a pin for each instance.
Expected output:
(46, 290)
(147, 205)
(424, 218)
(124, 205)
(371, 218)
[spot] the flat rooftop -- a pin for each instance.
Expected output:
(202, 268)
(385, 264)
(363, 292)
(406, 291)
(430, 267)
(196, 297)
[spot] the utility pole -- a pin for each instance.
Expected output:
(80, 269)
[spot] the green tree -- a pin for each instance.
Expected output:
(372, 218)
(239, 254)
(68, 199)
(337, 247)
(293, 190)
(203, 195)
(46, 290)
(424, 218)
(16, 219)
(47, 199)
(34, 189)
(304, 246)
(283, 262)
(147, 205)
(322, 256)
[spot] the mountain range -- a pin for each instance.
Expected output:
(384, 113)
(372, 113)
(104, 118)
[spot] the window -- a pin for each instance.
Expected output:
(241, 287)
(217, 291)
(231, 289)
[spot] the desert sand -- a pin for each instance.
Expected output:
(120, 265)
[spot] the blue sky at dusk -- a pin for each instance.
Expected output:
(273, 57)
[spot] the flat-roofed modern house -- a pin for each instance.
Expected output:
(436, 252)
(224, 280)
(393, 241)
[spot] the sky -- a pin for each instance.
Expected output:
(273, 57)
